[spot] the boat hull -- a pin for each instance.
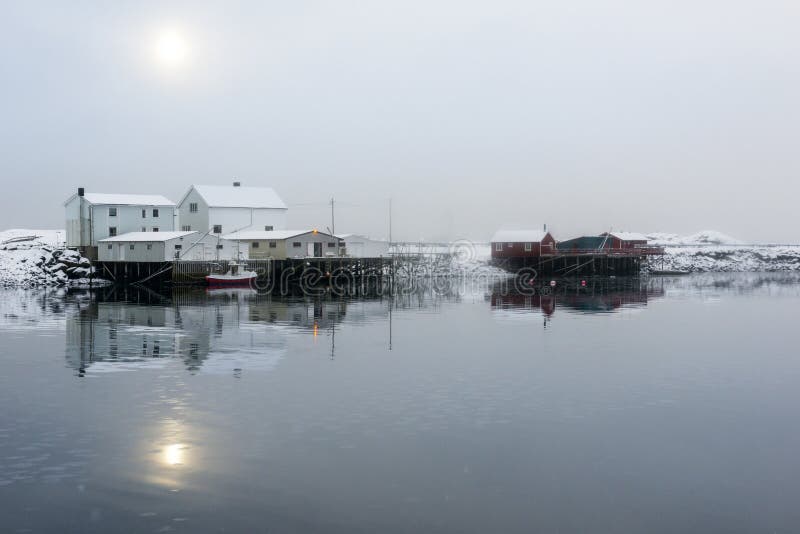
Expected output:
(230, 281)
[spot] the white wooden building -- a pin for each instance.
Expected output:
(359, 246)
(165, 246)
(91, 217)
(227, 209)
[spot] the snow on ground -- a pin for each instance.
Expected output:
(33, 258)
(730, 258)
(707, 237)
(712, 251)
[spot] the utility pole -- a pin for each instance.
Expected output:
(333, 225)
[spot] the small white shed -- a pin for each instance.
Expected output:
(164, 246)
(359, 246)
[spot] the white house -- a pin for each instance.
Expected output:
(91, 217)
(164, 246)
(227, 209)
(359, 246)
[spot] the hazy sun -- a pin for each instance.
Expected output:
(171, 48)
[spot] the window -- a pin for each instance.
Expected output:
(498, 247)
(178, 247)
(155, 228)
(149, 246)
(217, 228)
(219, 247)
(112, 231)
(186, 228)
(144, 228)
(268, 228)
(112, 212)
(155, 213)
(273, 244)
(144, 214)
(110, 246)
(528, 247)
(297, 244)
(331, 244)
(132, 246)
(255, 244)
(192, 207)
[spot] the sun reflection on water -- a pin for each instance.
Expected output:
(174, 454)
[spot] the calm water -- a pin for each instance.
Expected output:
(664, 406)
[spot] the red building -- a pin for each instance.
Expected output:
(522, 244)
(625, 240)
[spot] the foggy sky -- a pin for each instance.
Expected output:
(587, 115)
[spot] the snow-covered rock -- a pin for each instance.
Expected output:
(706, 237)
(33, 258)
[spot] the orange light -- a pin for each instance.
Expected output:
(315, 230)
(315, 329)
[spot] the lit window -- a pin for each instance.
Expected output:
(112, 212)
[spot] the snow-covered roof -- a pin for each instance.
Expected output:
(518, 236)
(113, 199)
(228, 196)
(629, 236)
(359, 236)
(145, 237)
(272, 235)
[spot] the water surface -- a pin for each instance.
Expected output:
(663, 405)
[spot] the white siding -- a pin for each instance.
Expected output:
(97, 221)
(362, 247)
(236, 219)
(198, 221)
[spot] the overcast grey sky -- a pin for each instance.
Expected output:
(588, 115)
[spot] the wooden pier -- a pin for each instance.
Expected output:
(272, 274)
(592, 262)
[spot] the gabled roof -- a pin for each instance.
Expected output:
(519, 236)
(113, 199)
(629, 236)
(145, 237)
(272, 235)
(228, 196)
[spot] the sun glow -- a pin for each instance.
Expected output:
(171, 48)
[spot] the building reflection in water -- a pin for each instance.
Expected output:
(211, 331)
(600, 295)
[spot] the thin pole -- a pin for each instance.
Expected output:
(333, 226)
